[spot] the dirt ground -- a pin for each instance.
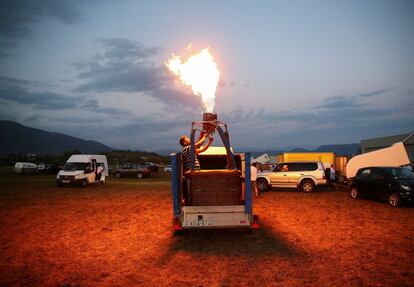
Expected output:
(120, 235)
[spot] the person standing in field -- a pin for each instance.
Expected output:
(253, 177)
(332, 177)
(99, 171)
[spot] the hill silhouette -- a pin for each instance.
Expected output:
(17, 138)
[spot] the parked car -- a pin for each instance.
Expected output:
(25, 168)
(133, 170)
(393, 184)
(82, 169)
(305, 175)
(168, 168)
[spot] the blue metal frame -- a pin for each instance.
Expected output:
(226, 144)
(247, 182)
(174, 177)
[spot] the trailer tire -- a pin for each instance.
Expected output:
(262, 185)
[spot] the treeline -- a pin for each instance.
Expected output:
(114, 157)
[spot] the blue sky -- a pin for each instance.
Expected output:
(293, 73)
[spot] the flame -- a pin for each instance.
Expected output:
(199, 71)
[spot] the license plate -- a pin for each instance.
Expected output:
(201, 223)
(65, 181)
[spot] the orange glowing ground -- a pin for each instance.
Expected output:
(119, 235)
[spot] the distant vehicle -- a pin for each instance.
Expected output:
(393, 184)
(305, 175)
(51, 168)
(25, 168)
(41, 167)
(133, 170)
(168, 168)
(81, 169)
(152, 166)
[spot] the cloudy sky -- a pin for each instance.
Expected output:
(293, 73)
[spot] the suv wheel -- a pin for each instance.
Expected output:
(140, 175)
(262, 185)
(354, 193)
(118, 175)
(307, 186)
(394, 200)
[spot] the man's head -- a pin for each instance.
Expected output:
(184, 141)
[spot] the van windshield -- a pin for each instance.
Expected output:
(72, 166)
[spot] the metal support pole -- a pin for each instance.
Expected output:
(174, 177)
(247, 182)
(227, 146)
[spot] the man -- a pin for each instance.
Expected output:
(253, 177)
(332, 177)
(186, 153)
(99, 171)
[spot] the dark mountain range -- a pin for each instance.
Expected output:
(341, 149)
(17, 138)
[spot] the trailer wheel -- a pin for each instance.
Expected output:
(262, 185)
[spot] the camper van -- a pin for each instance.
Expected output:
(81, 169)
(25, 167)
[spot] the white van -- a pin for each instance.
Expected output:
(81, 169)
(25, 167)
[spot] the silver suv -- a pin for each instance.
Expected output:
(305, 175)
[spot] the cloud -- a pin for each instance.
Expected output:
(336, 119)
(128, 66)
(17, 17)
(377, 92)
(15, 90)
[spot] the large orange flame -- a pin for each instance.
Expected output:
(199, 71)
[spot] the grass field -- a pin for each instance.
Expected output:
(120, 235)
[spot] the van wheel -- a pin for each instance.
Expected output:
(394, 200)
(307, 186)
(84, 183)
(118, 175)
(354, 193)
(140, 175)
(262, 185)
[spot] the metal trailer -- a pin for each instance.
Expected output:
(192, 214)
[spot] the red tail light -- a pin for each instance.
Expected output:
(176, 224)
(255, 225)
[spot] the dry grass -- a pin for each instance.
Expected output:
(119, 235)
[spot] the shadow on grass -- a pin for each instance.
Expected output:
(232, 242)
